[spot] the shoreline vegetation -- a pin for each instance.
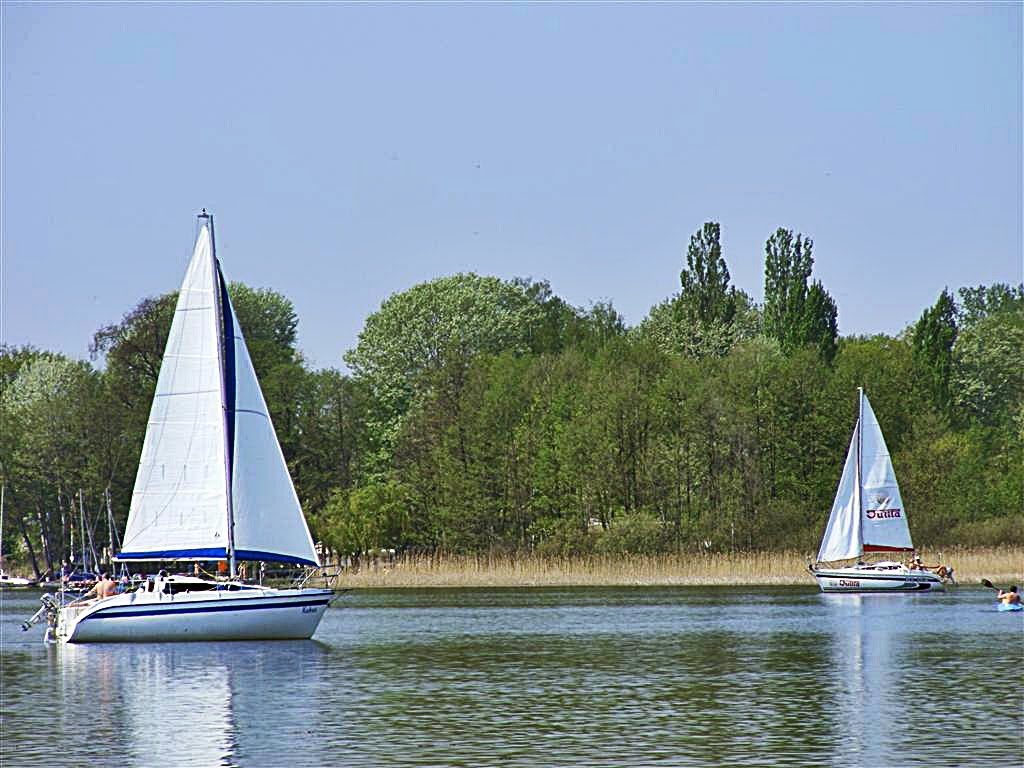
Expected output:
(999, 564)
(487, 416)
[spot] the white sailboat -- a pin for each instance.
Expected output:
(8, 581)
(212, 484)
(868, 516)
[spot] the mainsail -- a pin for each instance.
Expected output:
(212, 477)
(867, 514)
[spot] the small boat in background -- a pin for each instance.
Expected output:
(1009, 606)
(868, 517)
(7, 581)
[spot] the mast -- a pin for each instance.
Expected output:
(81, 522)
(860, 480)
(110, 528)
(223, 354)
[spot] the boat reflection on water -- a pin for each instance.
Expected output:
(190, 703)
(868, 709)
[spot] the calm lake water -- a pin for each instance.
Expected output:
(542, 677)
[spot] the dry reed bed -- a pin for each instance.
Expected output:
(1001, 565)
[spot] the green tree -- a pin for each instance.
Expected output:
(331, 431)
(133, 350)
(673, 328)
(796, 314)
(705, 279)
(981, 301)
(371, 516)
(932, 343)
(53, 415)
(987, 378)
(987, 363)
(708, 316)
(821, 322)
(436, 326)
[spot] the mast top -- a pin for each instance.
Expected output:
(205, 219)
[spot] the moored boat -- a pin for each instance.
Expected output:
(868, 517)
(7, 581)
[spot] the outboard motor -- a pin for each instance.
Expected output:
(48, 610)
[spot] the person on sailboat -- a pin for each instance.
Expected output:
(944, 572)
(916, 563)
(104, 587)
(1012, 597)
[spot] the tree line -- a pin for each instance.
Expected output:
(484, 415)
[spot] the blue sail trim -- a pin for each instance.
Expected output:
(209, 553)
(214, 553)
(272, 557)
(229, 368)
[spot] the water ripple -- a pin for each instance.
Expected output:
(557, 677)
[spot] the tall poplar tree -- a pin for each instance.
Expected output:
(934, 335)
(705, 280)
(795, 314)
(708, 315)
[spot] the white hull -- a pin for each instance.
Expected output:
(253, 613)
(879, 578)
(13, 581)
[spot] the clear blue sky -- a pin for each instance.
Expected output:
(349, 152)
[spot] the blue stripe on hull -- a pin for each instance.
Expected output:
(174, 610)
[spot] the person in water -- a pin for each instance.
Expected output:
(1009, 598)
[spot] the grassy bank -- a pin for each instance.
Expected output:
(1003, 565)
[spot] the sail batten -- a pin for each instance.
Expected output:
(212, 477)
